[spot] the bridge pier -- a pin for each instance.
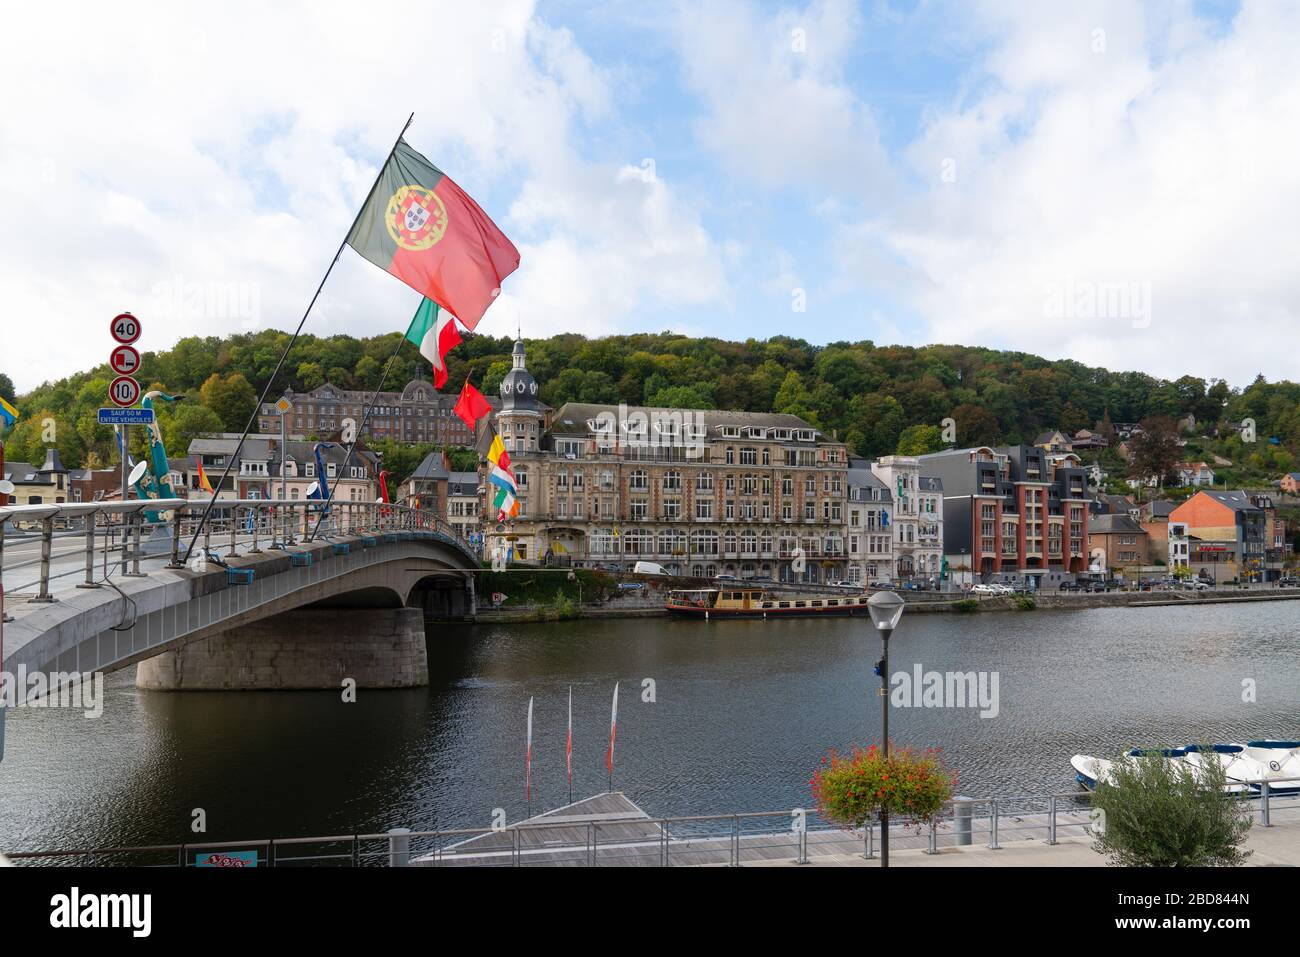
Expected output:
(302, 649)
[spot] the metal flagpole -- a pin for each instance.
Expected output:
(284, 355)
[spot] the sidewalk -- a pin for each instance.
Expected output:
(1276, 846)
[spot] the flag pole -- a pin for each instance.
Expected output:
(294, 338)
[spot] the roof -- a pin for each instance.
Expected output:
(929, 483)
(1162, 508)
(574, 416)
(431, 468)
(462, 483)
(24, 472)
(1237, 501)
(1111, 524)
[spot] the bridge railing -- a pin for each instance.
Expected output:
(95, 540)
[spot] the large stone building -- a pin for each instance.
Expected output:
(1228, 535)
(701, 492)
(417, 414)
(1018, 511)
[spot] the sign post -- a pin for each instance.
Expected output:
(284, 407)
(124, 390)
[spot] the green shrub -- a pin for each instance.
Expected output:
(1159, 813)
(1025, 603)
(966, 605)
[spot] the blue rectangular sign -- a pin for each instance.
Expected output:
(126, 416)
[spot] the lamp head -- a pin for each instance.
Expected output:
(886, 608)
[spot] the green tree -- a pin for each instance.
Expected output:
(231, 398)
(920, 439)
(188, 422)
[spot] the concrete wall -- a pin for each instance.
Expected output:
(308, 648)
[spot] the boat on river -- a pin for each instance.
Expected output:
(1245, 766)
(742, 602)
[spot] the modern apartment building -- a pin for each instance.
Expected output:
(1016, 511)
(1227, 535)
(701, 492)
(917, 517)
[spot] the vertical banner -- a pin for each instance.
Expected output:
(613, 731)
(568, 746)
(528, 757)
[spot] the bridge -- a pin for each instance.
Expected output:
(267, 600)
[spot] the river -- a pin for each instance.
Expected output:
(713, 718)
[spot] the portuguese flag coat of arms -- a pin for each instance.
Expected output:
(422, 228)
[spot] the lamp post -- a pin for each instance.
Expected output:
(886, 608)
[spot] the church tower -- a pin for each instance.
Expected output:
(520, 420)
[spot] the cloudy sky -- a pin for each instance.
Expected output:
(1105, 181)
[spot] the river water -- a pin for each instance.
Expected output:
(713, 718)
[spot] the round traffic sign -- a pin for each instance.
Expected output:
(124, 360)
(125, 328)
(124, 391)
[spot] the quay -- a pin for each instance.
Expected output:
(611, 830)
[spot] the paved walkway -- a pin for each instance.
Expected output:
(1276, 846)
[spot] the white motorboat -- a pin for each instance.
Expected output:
(1244, 765)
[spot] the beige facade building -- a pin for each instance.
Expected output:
(701, 492)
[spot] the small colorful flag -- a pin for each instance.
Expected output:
(507, 496)
(435, 334)
(8, 414)
(471, 406)
(613, 731)
(383, 486)
(204, 484)
(424, 229)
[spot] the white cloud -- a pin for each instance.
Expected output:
(224, 152)
(777, 109)
(1165, 160)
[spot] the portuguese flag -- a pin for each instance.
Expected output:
(425, 230)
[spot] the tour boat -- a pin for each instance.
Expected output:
(1244, 766)
(741, 602)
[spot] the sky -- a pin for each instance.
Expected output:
(1110, 182)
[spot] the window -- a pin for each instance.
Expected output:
(672, 481)
(637, 510)
(704, 482)
(748, 456)
(703, 509)
(639, 481)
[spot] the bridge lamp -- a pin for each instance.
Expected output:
(886, 608)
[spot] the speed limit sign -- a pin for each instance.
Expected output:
(124, 360)
(124, 391)
(125, 328)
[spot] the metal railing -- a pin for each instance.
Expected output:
(115, 537)
(719, 839)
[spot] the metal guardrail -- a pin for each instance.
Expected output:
(720, 839)
(114, 536)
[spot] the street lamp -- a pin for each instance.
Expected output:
(886, 608)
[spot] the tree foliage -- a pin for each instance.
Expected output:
(1159, 813)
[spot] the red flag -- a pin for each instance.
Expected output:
(471, 406)
(383, 485)
(613, 730)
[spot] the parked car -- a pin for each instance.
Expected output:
(854, 585)
(1288, 581)
(1195, 584)
(883, 586)
(1071, 586)
(725, 578)
(648, 568)
(983, 589)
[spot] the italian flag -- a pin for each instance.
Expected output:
(424, 229)
(435, 334)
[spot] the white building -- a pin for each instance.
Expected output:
(1179, 547)
(870, 531)
(917, 517)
